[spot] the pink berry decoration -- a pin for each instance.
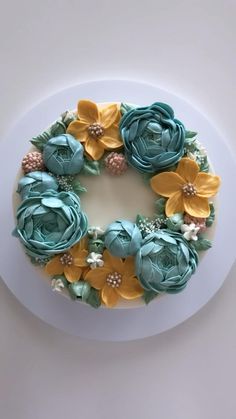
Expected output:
(199, 222)
(32, 162)
(115, 163)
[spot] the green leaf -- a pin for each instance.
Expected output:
(41, 140)
(160, 206)
(211, 218)
(91, 167)
(94, 299)
(190, 134)
(204, 165)
(149, 296)
(201, 244)
(77, 187)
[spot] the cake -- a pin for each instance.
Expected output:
(137, 257)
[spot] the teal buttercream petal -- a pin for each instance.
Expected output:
(165, 262)
(153, 138)
(35, 183)
(63, 155)
(50, 223)
(122, 238)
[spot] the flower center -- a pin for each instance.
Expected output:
(96, 130)
(66, 259)
(189, 189)
(114, 279)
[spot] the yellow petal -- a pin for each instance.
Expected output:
(72, 273)
(174, 204)
(81, 245)
(187, 169)
(97, 277)
(113, 263)
(108, 115)
(206, 184)
(166, 183)
(109, 296)
(54, 266)
(88, 111)
(80, 258)
(130, 288)
(197, 206)
(111, 139)
(94, 148)
(129, 266)
(79, 130)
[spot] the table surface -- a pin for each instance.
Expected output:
(187, 372)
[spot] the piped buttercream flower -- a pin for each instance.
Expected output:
(115, 279)
(187, 189)
(190, 231)
(71, 263)
(96, 128)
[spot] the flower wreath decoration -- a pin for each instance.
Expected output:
(145, 257)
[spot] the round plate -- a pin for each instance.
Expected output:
(127, 324)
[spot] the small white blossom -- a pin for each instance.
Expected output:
(95, 232)
(191, 156)
(57, 284)
(95, 260)
(190, 231)
(201, 149)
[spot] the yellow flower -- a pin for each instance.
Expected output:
(96, 128)
(115, 279)
(187, 189)
(72, 263)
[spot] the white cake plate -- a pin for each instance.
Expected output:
(76, 318)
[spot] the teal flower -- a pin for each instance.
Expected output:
(63, 155)
(153, 138)
(165, 262)
(50, 223)
(35, 183)
(123, 238)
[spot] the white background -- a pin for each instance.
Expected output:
(187, 47)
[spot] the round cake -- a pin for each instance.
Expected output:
(133, 256)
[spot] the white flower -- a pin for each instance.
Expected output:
(95, 232)
(95, 260)
(190, 231)
(191, 156)
(57, 284)
(202, 151)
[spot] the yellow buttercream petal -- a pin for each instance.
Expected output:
(108, 115)
(174, 204)
(97, 277)
(80, 258)
(88, 111)
(187, 169)
(166, 183)
(54, 266)
(94, 148)
(111, 139)
(197, 206)
(206, 184)
(130, 288)
(72, 273)
(129, 266)
(79, 130)
(113, 263)
(109, 296)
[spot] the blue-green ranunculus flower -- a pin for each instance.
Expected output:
(35, 183)
(50, 223)
(153, 138)
(165, 262)
(63, 155)
(123, 238)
